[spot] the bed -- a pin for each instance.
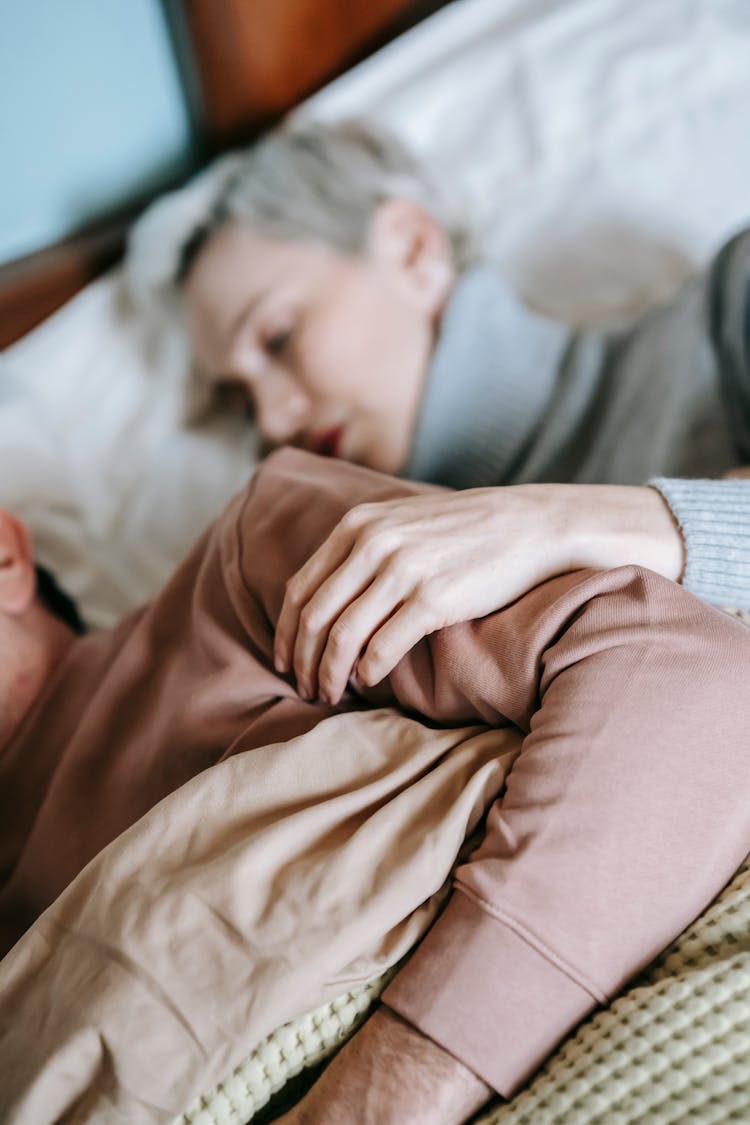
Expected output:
(603, 148)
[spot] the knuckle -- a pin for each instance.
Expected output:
(310, 619)
(339, 637)
(293, 590)
(369, 550)
(402, 566)
(378, 652)
(389, 540)
(356, 517)
(369, 534)
(379, 542)
(427, 595)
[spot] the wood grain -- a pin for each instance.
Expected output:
(244, 63)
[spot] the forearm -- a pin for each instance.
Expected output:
(605, 526)
(422, 562)
(696, 532)
(390, 1073)
(625, 813)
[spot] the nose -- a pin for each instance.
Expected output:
(282, 408)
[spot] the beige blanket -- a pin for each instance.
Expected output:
(674, 1047)
(247, 897)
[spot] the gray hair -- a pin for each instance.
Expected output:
(323, 182)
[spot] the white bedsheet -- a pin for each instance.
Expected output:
(602, 145)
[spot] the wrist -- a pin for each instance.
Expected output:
(389, 1073)
(449, 1091)
(619, 525)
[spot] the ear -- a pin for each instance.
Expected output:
(407, 241)
(17, 572)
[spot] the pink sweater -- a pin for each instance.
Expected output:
(625, 813)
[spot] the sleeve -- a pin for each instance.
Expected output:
(714, 517)
(626, 810)
(625, 813)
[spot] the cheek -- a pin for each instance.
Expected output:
(202, 332)
(360, 347)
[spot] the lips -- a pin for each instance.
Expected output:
(327, 443)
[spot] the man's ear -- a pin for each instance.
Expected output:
(17, 572)
(409, 242)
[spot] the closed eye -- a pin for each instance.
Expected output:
(277, 343)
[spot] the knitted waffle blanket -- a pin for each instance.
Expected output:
(673, 1047)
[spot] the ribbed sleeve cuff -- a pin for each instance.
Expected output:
(714, 517)
(487, 996)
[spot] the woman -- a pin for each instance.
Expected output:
(333, 287)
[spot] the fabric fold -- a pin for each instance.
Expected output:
(488, 996)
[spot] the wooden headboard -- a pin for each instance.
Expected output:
(244, 63)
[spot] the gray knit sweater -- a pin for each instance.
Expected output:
(514, 397)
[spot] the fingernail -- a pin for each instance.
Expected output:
(279, 664)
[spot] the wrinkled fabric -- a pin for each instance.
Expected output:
(268, 882)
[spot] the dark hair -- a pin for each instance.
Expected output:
(58, 602)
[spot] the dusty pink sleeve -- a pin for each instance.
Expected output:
(627, 809)
(626, 812)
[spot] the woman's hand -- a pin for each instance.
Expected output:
(394, 571)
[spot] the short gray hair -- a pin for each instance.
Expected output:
(323, 182)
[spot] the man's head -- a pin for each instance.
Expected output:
(32, 637)
(317, 287)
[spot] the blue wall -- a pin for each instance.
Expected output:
(91, 114)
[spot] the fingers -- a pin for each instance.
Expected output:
(349, 634)
(390, 643)
(364, 593)
(339, 619)
(300, 588)
(327, 613)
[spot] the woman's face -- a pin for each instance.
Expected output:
(330, 350)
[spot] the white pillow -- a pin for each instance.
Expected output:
(601, 144)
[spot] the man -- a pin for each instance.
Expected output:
(603, 848)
